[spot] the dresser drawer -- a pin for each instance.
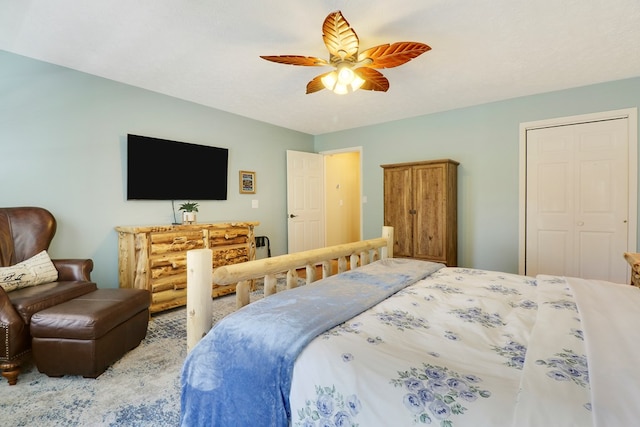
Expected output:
(230, 255)
(176, 241)
(232, 235)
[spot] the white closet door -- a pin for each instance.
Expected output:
(577, 200)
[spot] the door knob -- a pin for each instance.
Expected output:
(292, 216)
(580, 223)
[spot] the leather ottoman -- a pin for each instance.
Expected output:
(87, 334)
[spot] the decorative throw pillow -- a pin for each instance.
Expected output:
(34, 271)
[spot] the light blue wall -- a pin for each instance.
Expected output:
(62, 136)
(62, 146)
(485, 140)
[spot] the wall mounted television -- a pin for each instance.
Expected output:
(160, 169)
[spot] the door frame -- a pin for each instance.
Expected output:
(631, 114)
(357, 149)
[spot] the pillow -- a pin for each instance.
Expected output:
(36, 270)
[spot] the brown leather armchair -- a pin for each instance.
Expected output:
(25, 232)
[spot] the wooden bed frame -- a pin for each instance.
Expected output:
(358, 254)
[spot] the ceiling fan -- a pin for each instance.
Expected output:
(353, 70)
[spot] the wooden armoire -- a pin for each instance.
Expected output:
(420, 202)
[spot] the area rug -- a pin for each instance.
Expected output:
(141, 389)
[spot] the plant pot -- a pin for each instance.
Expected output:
(188, 217)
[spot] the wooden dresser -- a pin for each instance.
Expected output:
(420, 202)
(155, 257)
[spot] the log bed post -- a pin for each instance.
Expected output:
(310, 270)
(387, 233)
(270, 282)
(199, 303)
(242, 293)
(353, 261)
(326, 269)
(342, 264)
(292, 278)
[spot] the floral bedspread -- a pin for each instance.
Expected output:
(478, 348)
(240, 373)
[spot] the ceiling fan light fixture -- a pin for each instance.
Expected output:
(343, 80)
(344, 54)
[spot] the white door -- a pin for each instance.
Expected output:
(577, 190)
(305, 201)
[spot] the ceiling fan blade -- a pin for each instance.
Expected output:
(316, 85)
(389, 56)
(296, 60)
(373, 79)
(341, 40)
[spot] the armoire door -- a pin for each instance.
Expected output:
(577, 200)
(430, 223)
(397, 209)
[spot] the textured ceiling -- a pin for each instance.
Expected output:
(208, 51)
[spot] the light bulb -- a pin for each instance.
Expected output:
(345, 75)
(329, 81)
(357, 82)
(340, 89)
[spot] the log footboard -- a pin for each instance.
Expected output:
(348, 256)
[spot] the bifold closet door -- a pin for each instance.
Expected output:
(577, 200)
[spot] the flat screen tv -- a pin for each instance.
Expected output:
(160, 169)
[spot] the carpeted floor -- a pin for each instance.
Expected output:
(141, 389)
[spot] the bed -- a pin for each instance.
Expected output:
(405, 342)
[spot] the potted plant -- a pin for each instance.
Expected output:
(189, 210)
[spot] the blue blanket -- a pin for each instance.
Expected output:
(239, 374)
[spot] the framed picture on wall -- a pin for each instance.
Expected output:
(247, 182)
